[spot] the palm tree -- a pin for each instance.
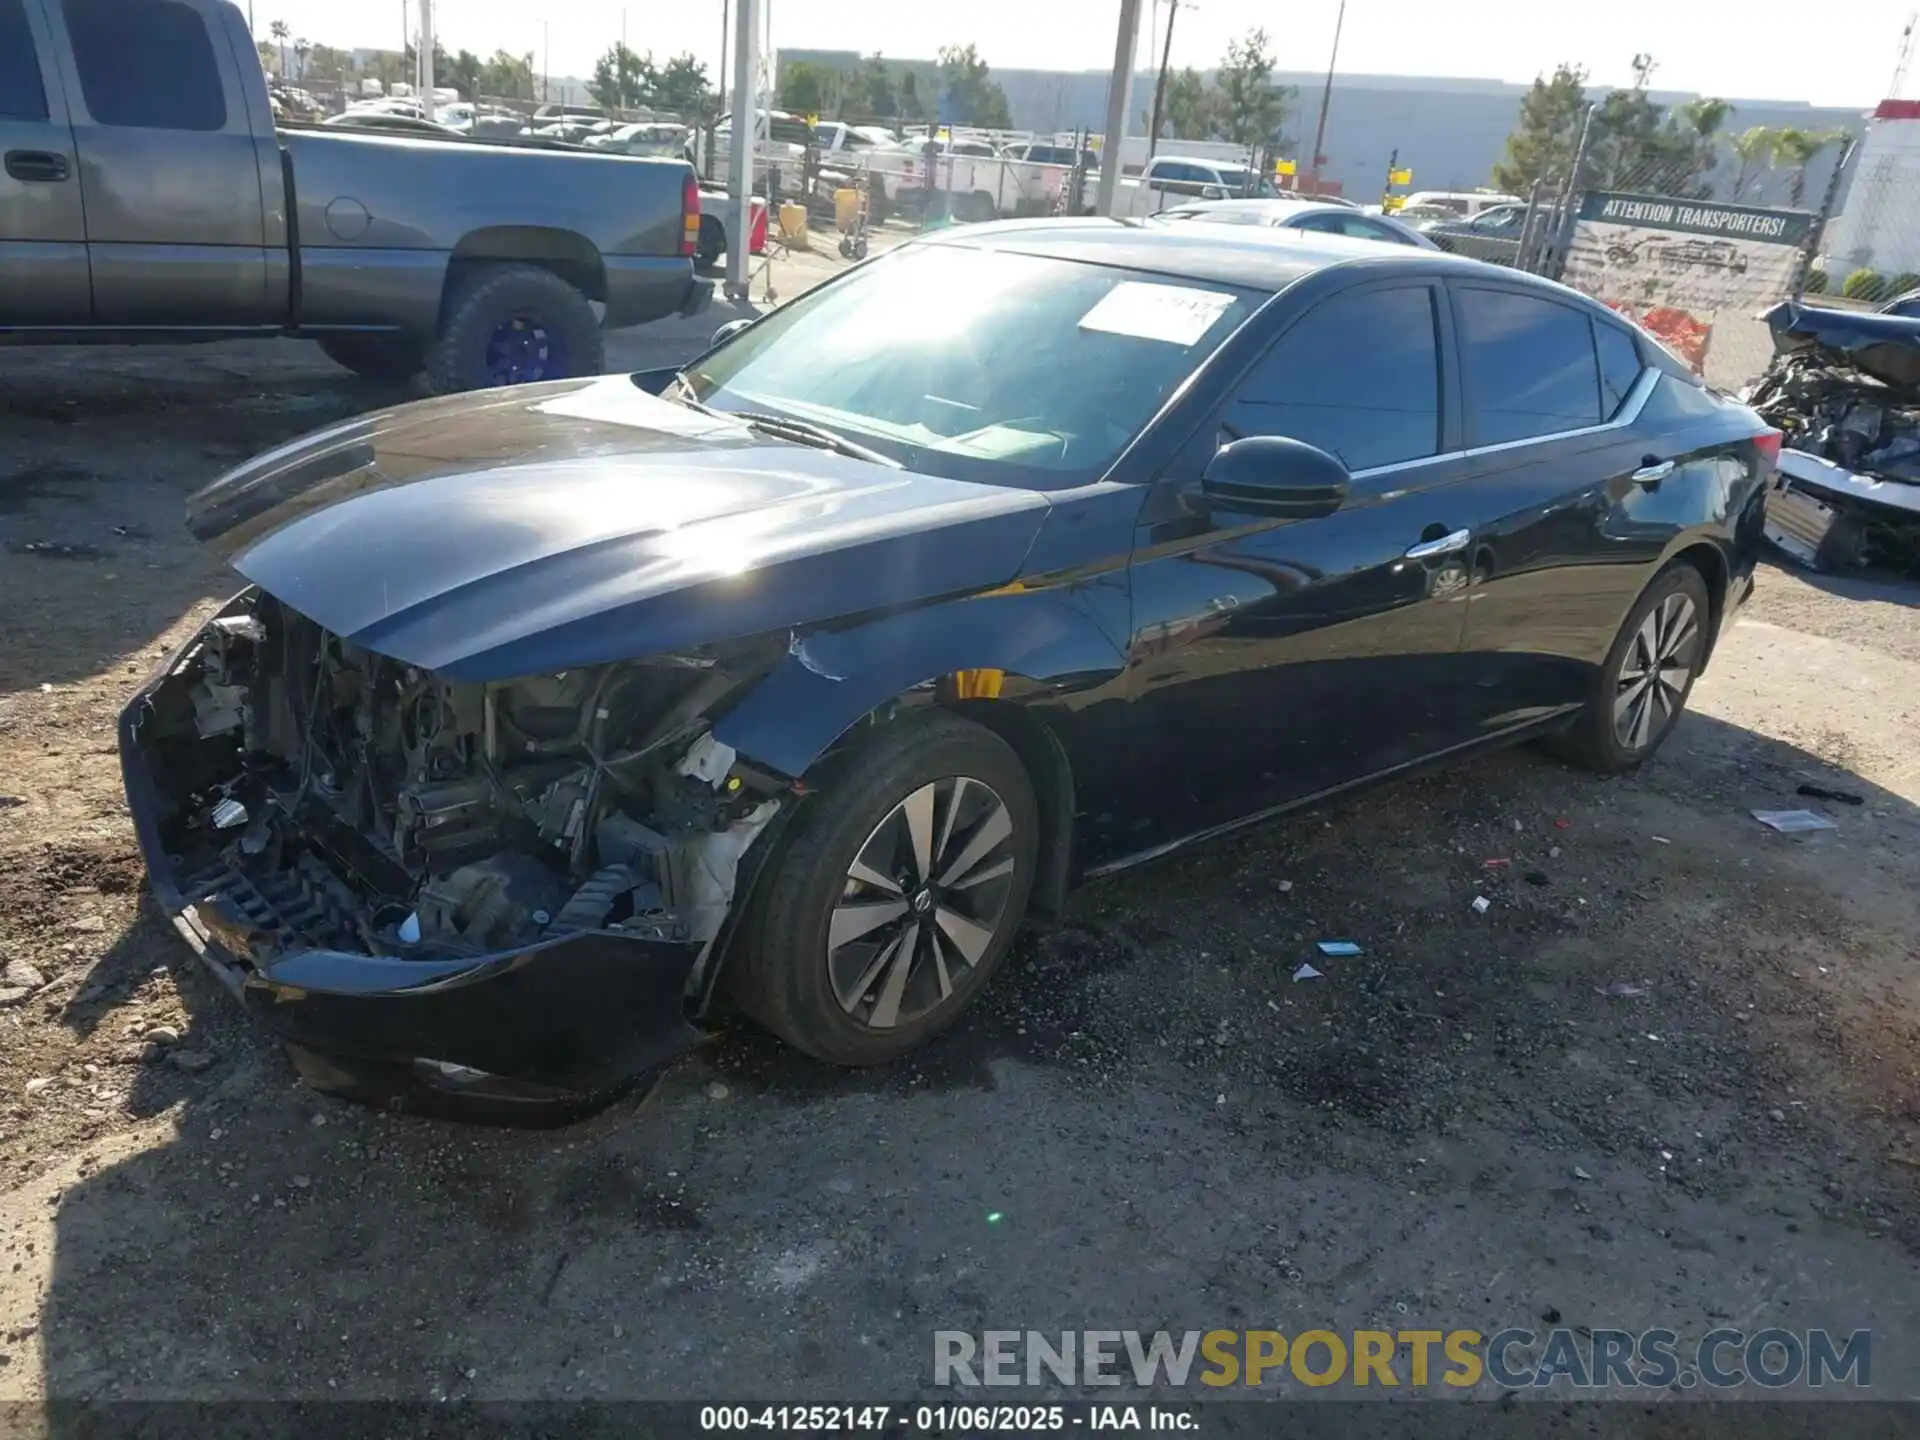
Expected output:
(278, 29)
(301, 49)
(1795, 147)
(1754, 148)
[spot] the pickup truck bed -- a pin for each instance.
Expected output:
(147, 195)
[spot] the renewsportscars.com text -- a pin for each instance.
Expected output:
(1460, 1359)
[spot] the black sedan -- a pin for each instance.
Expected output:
(1015, 557)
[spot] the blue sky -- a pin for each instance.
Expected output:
(1839, 53)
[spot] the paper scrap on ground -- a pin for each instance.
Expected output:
(1789, 821)
(1339, 947)
(1176, 314)
(1307, 972)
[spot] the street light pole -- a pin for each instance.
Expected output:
(1119, 98)
(720, 107)
(746, 106)
(1160, 83)
(426, 58)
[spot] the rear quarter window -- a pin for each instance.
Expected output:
(146, 65)
(1620, 365)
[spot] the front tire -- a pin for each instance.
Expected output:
(1648, 674)
(514, 325)
(897, 891)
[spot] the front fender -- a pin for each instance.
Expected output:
(1057, 641)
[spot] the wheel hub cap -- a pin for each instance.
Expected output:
(1654, 672)
(924, 899)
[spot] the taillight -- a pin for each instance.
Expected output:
(1767, 442)
(690, 215)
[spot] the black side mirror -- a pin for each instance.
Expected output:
(1273, 475)
(727, 331)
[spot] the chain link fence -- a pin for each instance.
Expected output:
(1871, 253)
(1638, 228)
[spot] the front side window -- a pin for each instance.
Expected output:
(978, 364)
(22, 97)
(1358, 376)
(1529, 365)
(146, 65)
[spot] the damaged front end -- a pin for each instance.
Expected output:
(486, 899)
(1844, 391)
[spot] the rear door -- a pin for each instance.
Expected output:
(1569, 535)
(43, 233)
(175, 215)
(1275, 660)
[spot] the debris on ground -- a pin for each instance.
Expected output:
(1537, 877)
(1821, 792)
(1481, 904)
(1623, 990)
(1307, 972)
(1580, 1174)
(1339, 947)
(1791, 822)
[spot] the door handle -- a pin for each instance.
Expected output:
(1445, 545)
(36, 165)
(1651, 475)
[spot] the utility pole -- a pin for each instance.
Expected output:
(1119, 100)
(426, 58)
(1326, 99)
(746, 107)
(546, 61)
(720, 105)
(1160, 84)
(1386, 193)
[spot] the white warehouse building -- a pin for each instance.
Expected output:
(1880, 227)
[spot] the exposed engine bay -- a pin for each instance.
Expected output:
(318, 796)
(1849, 493)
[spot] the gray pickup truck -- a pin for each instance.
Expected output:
(146, 195)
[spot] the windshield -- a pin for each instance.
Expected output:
(978, 364)
(1244, 182)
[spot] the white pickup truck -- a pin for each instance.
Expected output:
(1173, 179)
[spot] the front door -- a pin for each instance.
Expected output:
(175, 217)
(1272, 661)
(43, 232)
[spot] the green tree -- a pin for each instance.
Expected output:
(461, 71)
(281, 34)
(912, 107)
(682, 88)
(1798, 148)
(1189, 110)
(803, 87)
(1250, 108)
(874, 95)
(508, 77)
(622, 79)
(1753, 149)
(969, 96)
(1542, 143)
(326, 63)
(267, 55)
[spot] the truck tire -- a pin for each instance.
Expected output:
(713, 244)
(376, 357)
(513, 325)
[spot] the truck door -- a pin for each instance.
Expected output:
(43, 237)
(175, 227)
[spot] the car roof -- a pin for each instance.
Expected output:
(1255, 257)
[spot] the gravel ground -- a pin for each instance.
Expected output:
(1667, 1078)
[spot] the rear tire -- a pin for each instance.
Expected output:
(376, 357)
(864, 859)
(712, 245)
(513, 325)
(1643, 686)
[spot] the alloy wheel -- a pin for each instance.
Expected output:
(1654, 671)
(923, 901)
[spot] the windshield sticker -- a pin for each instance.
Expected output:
(1175, 314)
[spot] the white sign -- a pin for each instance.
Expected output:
(1175, 314)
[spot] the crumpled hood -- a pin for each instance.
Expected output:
(510, 532)
(1887, 347)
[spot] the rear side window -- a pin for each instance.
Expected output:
(1358, 376)
(1619, 365)
(1529, 365)
(21, 94)
(146, 65)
